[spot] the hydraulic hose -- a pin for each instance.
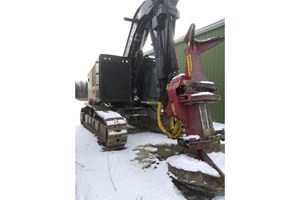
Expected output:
(176, 128)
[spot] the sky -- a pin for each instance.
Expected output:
(100, 27)
(70, 35)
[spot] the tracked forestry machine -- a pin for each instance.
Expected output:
(149, 92)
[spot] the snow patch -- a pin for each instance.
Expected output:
(207, 82)
(190, 137)
(219, 159)
(181, 74)
(108, 114)
(218, 126)
(191, 164)
(151, 149)
(202, 93)
(218, 198)
(122, 132)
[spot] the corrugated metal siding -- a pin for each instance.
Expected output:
(213, 65)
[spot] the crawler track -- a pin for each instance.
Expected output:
(108, 126)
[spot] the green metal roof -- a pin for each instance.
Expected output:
(197, 32)
(204, 29)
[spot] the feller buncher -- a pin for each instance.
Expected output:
(148, 91)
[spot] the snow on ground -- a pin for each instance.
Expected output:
(191, 164)
(115, 175)
(219, 159)
(128, 179)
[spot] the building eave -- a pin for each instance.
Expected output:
(197, 32)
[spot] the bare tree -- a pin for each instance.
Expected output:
(81, 90)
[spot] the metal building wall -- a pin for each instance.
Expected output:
(213, 64)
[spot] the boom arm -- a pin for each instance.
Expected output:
(156, 17)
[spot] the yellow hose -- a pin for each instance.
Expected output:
(177, 127)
